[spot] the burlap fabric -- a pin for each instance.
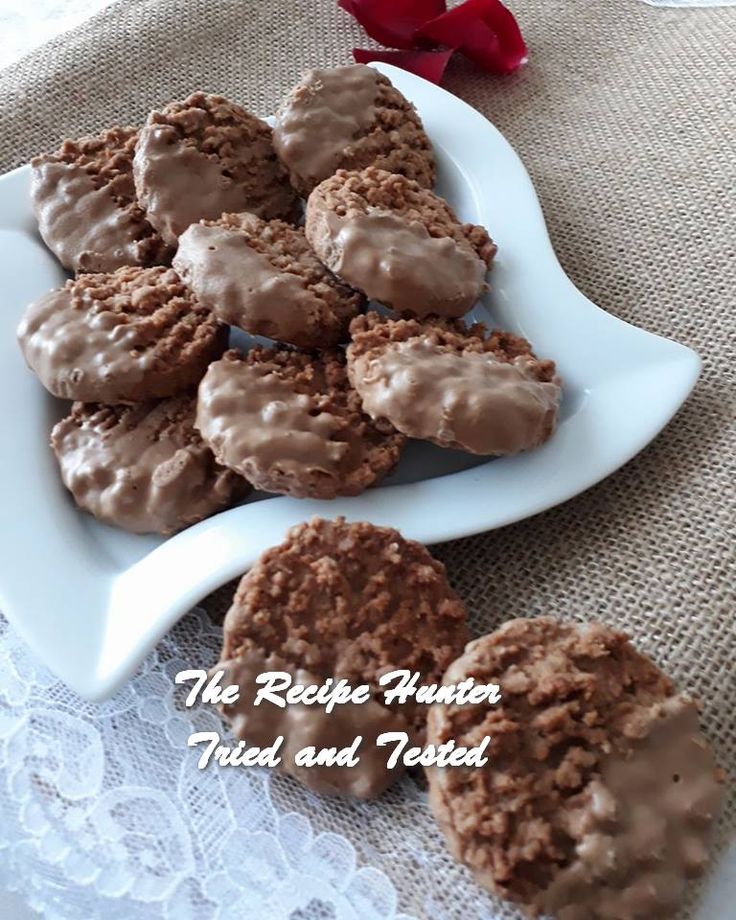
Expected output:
(624, 120)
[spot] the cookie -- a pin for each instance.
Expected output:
(291, 423)
(133, 334)
(600, 790)
(143, 467)
(340, 600)
(349, 118)
(204, 157)
(399, 243)
(263, 277)
(442, 382)
(84, 199)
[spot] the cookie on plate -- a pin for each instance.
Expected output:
(349, 118)
(600, 789)
(263, 277)
(84, 199)
(442, 382)
(340, 600)
(133, 334)
(291, 423)
(204, 157)
(143, 467)
(399, 243)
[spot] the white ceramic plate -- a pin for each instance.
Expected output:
(92, 600)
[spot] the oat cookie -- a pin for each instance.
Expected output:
(455, 386)
(133, 334)
(340, 600)
(84, 198)
(600, 790)
(291, 423)
(398, 242)
(143, 467)
(263, 277)
(204, 157)
(349, 118)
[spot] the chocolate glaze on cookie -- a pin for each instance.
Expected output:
(133, 334)
(399, 243)
(263, 277)
(143, 468)
(342, 600)
(291, 423)
(599, 796)
(303, 726)
(442, 382)
(204, 157)
(84, 199)
(350, 117)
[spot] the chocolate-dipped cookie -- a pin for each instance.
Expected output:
(399, 243)
(263, 277)
(349, 118)
(143, 467)
(600, 790)
(291, 423)
(458, 387)
(340, 600)
(84, 199)
(133, 334)
(204, 157)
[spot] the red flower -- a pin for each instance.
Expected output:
(392, 23)
(485, 31)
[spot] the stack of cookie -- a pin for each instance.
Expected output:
(192, 226)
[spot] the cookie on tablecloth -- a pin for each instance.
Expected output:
(340, 600)
(204, 157)
(349, 118)
(600, 789)
(399, 243)
(263, 277)
(133, 334)
(455, 386)
(291, 423)
(142, 467)
(84, 199)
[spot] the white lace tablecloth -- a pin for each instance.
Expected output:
(103, 812)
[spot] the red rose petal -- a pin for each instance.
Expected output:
(483, 30)
(428, 64)
(393, 22)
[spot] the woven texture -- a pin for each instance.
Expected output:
(624, 121)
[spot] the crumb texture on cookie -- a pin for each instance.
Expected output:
(84, 199)
(398, 242)
(577, 810)
(134, 334)
(263, 277)
(204, 157)
(350, 117)
(291, 423)
(144, 467)
(353, 601)
(454, 386)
